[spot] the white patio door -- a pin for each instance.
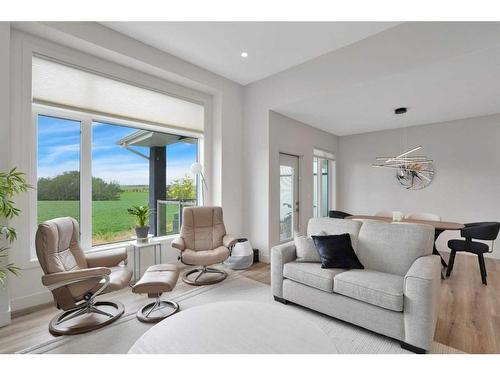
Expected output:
(289, 196)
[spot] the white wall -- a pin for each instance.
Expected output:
(102, 49)
(4, 138)
(369, 60)
(296, 138)
(4, 94)
(466, 187)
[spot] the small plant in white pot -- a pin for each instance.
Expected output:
(141, 214)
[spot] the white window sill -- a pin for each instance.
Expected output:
(163, 240)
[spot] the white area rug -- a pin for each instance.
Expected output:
(121, 335)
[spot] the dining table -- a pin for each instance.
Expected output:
(439, 227)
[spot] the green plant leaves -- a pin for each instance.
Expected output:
(141, 214)
(12, 183)
(5, 269)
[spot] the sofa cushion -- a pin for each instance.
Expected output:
(373, 287)
(311, 274)
(320, 226)
(306, 249)
(205, 258)
(393, 248)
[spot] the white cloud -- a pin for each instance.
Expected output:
(55, 152)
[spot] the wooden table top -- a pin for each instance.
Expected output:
(441, 225)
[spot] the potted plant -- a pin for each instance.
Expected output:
(141, 214)
(11, 184)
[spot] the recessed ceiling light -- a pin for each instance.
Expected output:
(244, 55)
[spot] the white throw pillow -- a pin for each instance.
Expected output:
(306, 250)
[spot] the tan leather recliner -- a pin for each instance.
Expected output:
(203, 242)
(76, 279)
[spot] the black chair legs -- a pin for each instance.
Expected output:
(451, 262)
(486, 231)
(480, 259)
(482, 267)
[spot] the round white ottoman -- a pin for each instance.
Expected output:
(236, 328)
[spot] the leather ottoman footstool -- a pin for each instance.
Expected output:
(157, 279)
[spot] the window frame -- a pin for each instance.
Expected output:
(86, 120)
(330, 165)
(23, 47)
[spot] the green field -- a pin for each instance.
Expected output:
(110, 220)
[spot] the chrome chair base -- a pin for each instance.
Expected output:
(144, 313)
(202, 271)
(80, 319)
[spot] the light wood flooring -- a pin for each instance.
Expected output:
(469, 318)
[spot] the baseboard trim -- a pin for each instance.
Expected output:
(263, 258)
(5, 318)
(32, 309)
(29, 301)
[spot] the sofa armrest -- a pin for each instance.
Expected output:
(229, 241)
(178, 243)
(280, 255)
(106, 258)
(59, 279)
(422, 285)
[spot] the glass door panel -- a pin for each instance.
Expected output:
(288, 196)
(315, 188)
(323, 174)
(325, 188)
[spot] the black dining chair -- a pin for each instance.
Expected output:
(338, 214)
(487, 231)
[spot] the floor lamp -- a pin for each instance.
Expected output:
(197, 169)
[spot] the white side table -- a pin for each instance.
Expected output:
(137, 246)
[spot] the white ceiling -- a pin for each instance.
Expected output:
(271, 46)
(441, 71)
(460, 87)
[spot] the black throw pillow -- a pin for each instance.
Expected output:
(335, 251)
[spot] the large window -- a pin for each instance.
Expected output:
(120, 179)
(95, 170)
(323, 186)
(58, 187)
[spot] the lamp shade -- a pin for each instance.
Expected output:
(196, 168)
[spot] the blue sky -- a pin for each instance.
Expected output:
(59, 151)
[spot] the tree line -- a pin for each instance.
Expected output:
(66, 187)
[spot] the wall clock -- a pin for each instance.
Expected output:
(415, 176)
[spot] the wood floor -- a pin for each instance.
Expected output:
(469, 318)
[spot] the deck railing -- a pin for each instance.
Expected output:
(169, 215)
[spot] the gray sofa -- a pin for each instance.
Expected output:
(396, 295)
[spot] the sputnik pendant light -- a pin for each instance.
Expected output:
(413, 172)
